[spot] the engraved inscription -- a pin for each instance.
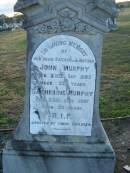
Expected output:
(62, 89)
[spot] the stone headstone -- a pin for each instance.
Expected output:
(60, 130)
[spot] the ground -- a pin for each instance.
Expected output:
(118, 131)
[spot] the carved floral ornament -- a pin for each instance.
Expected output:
(67, 20)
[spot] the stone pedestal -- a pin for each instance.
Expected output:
(58, 158)
(60, 130)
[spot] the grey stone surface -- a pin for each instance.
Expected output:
(57, 164)
(58, 158)
(1, 161)
(87, 20)
(23, 131)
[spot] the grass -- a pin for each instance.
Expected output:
(12, 60)
(115, 88)
(115, 84)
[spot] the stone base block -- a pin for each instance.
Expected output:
(30, 161)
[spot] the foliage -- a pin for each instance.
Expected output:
(16, 18)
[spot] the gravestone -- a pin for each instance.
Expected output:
(60, 130)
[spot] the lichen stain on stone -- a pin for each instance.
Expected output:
(67, 86)
(36, 78)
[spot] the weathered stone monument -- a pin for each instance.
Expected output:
(60, 130)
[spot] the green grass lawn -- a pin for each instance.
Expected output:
(115, 84)
(115, 88)
(12, 65)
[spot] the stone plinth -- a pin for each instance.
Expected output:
(58, 158)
